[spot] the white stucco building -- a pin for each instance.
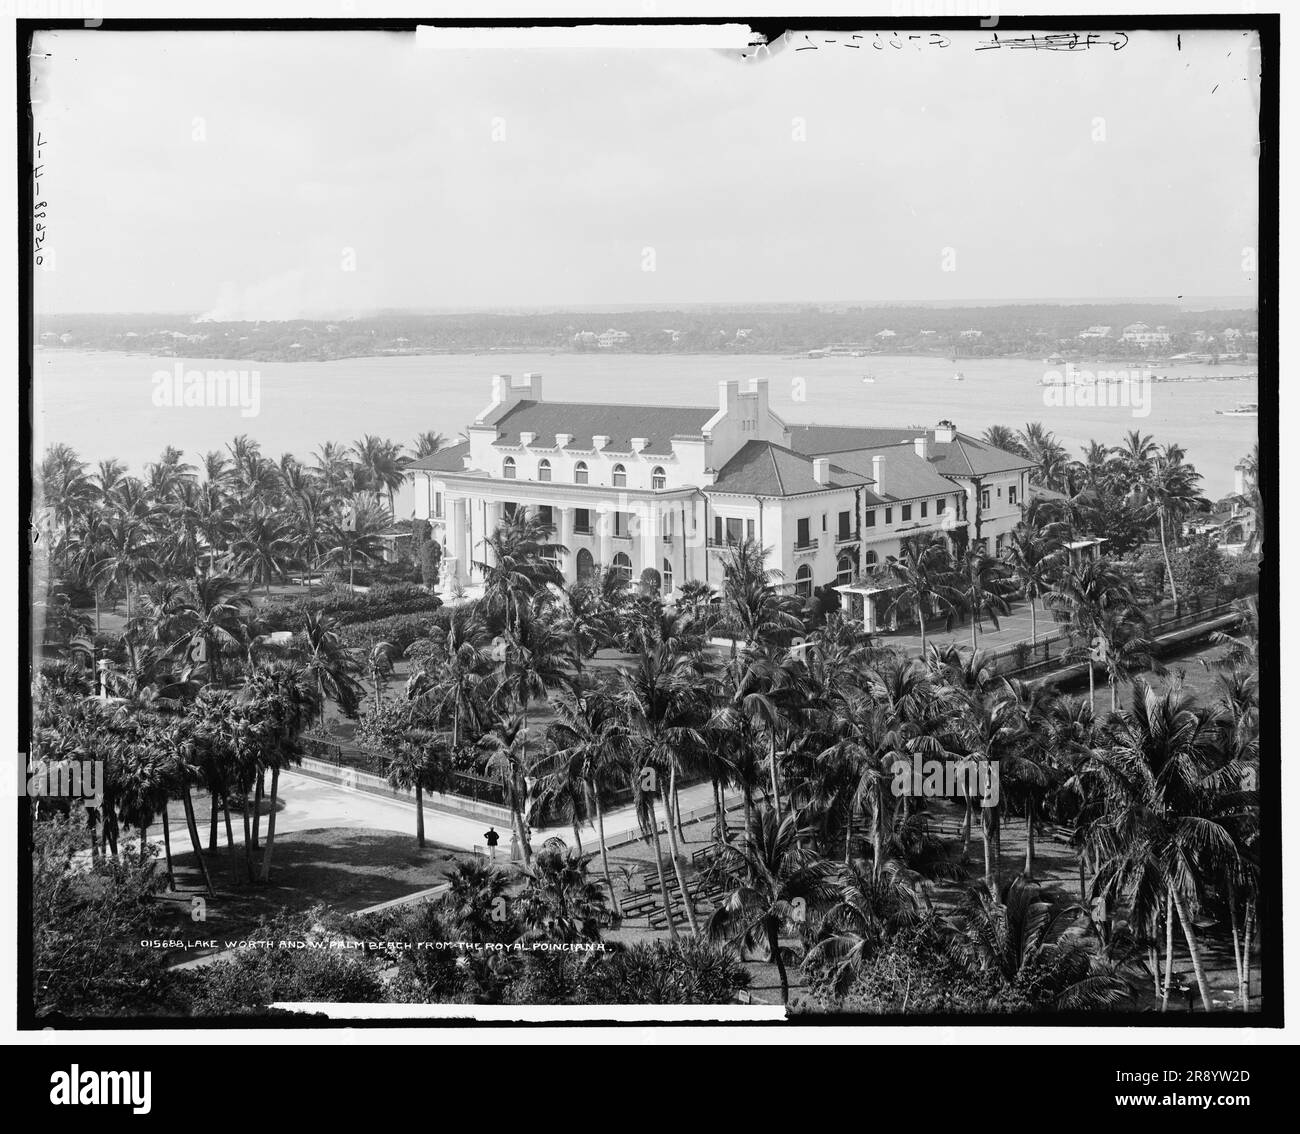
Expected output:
(667, 488)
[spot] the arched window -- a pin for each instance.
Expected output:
(580, 473)
(844, 570)
(803, 582)
(585, 564)
(871, 559)
(623, 565)
(666, 576)
(543, 469)
(620, 476)
(658, 478)
(508, 468)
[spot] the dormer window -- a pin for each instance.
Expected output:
(543, 469)
(580, 473)
(658, 478)
(508, 468)
(620, 476)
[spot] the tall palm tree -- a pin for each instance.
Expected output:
(354, 536)
(1083, 595)
(508, 760)
(980, 582)
(776, 881)
(662, 697)
(1172, 800)
(428, 443)
(1034, 560)
(380, 460)
(261, 549)
(332, 665)
(280, 698)
(921, 582)
(1174, 496)
(202, 619)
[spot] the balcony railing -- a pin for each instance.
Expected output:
(805, 548)
(846, 537)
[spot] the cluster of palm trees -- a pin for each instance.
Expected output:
(1154, 796)
(1120, 492)
(241, 513)
(155, 747)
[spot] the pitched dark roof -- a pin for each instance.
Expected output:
(905, 475)
(761, 468)
(968, 456)
(963, 456)
(620, 423)
(450, 459)
(819, 440)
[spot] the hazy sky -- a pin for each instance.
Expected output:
(243, 173)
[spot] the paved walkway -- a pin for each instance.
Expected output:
(310, 804)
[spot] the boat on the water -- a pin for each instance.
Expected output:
(1244, 409)
(959, 377)
(868, 378)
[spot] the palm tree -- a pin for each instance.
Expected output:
(355, 536)
(662, 697)
(989, 728)
(420, 763)
(280, 699)
(1035, 561)
(1126, 650)
(506, 744)
(428, 443)
(332, 665)
(1174, 496)
(1172, 800)
(776, 881)
(922, 582)
(1082, 596)
(261, 548)
(449, 682)
(1003, 437)
(199, 621)
(754, 608)
(980, 581)
(559, 902)
(380, 461)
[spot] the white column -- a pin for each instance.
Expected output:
(605, 526)
(648, 540)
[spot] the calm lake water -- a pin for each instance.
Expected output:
(102, 404)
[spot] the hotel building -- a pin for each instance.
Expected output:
(668, 488)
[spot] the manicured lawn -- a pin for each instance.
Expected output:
(348, 869)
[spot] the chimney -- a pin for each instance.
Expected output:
(945, 433)
(526, 437)
(504, 395)
(878, 474)
(922, 447)
(599, 441)
(640, 444)
(562, 439)
(761, 407)
(728, 393)
(821, 470)
(533, 379)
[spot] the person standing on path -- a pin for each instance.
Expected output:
(491, 837)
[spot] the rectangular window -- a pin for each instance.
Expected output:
(871, 518)
(941, 505)
(846, 530)
(717, 529)
(907, 511)
(925, 504)
(437, 503)
(582, 520)
(621, 524)
(803, 537)
(735, 530)
(545, 514)
(1011, 494)
(984, 499)
(749, 529)
(889, 515)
